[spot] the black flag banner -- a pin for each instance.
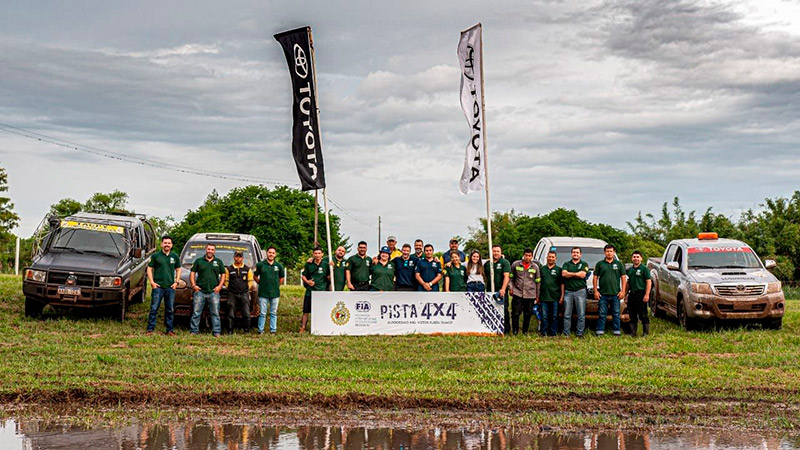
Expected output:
(306, 143)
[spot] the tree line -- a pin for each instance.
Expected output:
(284, 217)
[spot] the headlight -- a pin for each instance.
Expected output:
(774, 287)
(701, 288)
(107, 282)
(35, 275)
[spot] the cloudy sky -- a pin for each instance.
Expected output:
(604, 107)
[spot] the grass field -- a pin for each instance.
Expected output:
(737, 377)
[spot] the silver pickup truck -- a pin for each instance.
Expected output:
(706, 279)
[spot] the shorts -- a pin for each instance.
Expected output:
(307, 303)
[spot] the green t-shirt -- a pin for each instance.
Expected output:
(550, 289)
(269, 278)
(207, 273)
(575, 284)
(318, 273)
(637, 277)
(609, 276)
(164, 267)
(500, 267)
(338, 272)
(382, 276)
(457, 277)
(359, 268)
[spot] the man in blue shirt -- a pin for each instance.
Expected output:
(429, 271)
(405, 271)
(453, 248)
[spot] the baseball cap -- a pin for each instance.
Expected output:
(238, 253)
(385, 249)
(391, 238)
(454, 240)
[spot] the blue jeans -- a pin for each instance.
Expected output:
(265, 303)
(549, 318)
(199, 299)
(574, 300)
(475, 286)
(602, 310)
(168, 294)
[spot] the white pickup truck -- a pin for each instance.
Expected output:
(705, 279)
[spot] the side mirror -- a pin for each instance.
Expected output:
(770, 264)
(136, 253)
(673, 265)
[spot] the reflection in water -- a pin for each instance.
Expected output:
(208, 435)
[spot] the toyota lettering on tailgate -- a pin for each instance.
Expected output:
(732, 249)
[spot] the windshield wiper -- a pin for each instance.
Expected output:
(100, 252)
(700, 266)
(73, 249)
(736, 267)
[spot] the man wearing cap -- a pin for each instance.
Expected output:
(269, 275)
(391, 242)
(445, 258)
(238, 278)
(500, 268)
(207, 278)
(405, 270)
(163, 270)
(429, 271)
(316, 276)
(524, 289)
(356, 269)
(382, 272)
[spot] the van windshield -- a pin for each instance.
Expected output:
(732, 257)
(80, 240)
(224, 252)
(589, 255)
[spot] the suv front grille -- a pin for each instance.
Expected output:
(740, 290)
(82, 279)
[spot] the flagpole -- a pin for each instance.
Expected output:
(325, 189)
(486, 171)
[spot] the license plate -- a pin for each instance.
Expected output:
(69, 290)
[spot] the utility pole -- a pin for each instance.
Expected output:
(379, 233)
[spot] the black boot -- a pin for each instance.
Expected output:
(645, 329)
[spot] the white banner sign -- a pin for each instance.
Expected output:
(469, 57)
(363, 313)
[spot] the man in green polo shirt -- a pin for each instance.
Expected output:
(574, 274)
(357, 269)
(639, 284)
(269, 275)
(315, 275)
(501, 269)
(455, 274)
(207, 278)
(551, 294)
(339, 268)
(609, 289)
(163, 271)
(382, 272)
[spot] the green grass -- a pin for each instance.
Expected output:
(730, 374)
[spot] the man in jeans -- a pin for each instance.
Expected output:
(238, 278)
(551, 295)
(609, 288)
(269, 276)
(574, 274)
(524, 289)
(163, 271)
(207, 278)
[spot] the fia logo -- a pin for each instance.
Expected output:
(363, 306)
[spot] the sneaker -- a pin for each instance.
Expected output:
(260, 331)
(170, 333)
(193, 333)
(273, 332)
(216, 335)
(600, 333)
(149, 333)
(580, 336)
(617, 333)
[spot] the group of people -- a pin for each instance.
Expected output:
(525, 285)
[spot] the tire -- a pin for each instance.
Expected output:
(140, 296)
(657, 312)
(684, 320)
(33, 308)
(772, 324)
(118, 312)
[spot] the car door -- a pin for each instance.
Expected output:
(667, 293)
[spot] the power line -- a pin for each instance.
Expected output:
(156, 164)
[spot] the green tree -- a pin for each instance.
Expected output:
(111, 202)
(8, 218)
(282, 217)
(65, 207)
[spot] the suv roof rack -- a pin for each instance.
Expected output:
(223, 237)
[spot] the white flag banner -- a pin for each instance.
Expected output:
(469, 57)
(392, 313)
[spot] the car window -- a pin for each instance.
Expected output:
(670, 253)
(225, 252)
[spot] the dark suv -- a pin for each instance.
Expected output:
(227, 244)
(90, 261)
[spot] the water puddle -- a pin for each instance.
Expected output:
(31, 434)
